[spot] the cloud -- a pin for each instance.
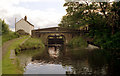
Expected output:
(91, 0)
(39, 18)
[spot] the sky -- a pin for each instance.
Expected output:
(41, 13)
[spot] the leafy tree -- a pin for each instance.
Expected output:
(5, 28)
(73, 18)
(6, 33)
(102, 18)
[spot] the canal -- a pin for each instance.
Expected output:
(64, 60)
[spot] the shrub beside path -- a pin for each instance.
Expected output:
(7, 44)
(9, 59)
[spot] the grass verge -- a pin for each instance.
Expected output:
(9, 36)
(0, 61)
(8, 67)
(31, 43)
(0, 41)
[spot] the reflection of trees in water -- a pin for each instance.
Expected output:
(80, 67)
(104, 62)
(114, 63)
(78, 60)
(98, 62)
(84, 62)
(25, 56)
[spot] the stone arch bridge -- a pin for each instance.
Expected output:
(57, 32)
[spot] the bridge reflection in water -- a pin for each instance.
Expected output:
(53, 52)
(54, 44)
(63, 60)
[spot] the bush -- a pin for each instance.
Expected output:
(108, 42)
(78, 42)
(113, 42)
(5, 27)
(9, 36)
(31, 43)
(5, 33)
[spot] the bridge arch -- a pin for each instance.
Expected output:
(56, 39)
(44, 37)
(68, 34)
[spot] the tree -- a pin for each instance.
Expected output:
(114, 17)
(5, 27)
(75, 12)
(102, 18)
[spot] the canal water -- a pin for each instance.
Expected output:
(64, 60)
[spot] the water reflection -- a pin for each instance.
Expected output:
(56, 60)
(33, 68)
(53, 52)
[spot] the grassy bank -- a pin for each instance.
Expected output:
(6, 33)
(12, 66)
(0, 41)
(77, 42)
(9, 36)
(31, 43)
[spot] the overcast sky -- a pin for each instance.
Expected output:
(41, 13)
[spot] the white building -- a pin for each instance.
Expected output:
(23, 24)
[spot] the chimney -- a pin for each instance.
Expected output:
(25, 18)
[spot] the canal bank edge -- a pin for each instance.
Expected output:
(30, 44)
(13, 64)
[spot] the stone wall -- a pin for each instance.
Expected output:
(44, 33)
(44, 36)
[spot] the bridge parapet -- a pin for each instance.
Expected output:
(67, 33)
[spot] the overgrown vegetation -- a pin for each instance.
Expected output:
(9, 36)
(8, 67)
(102, 19)
(31, 43)
(6, 33)
(0, 41)
(78, 42)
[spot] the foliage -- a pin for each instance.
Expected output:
(6, 33)
(31, 43)
(5, 27)
(9, 36)
(113, 42)
(78, 42)
(102, 18)
(0, 41)
(7, 64)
